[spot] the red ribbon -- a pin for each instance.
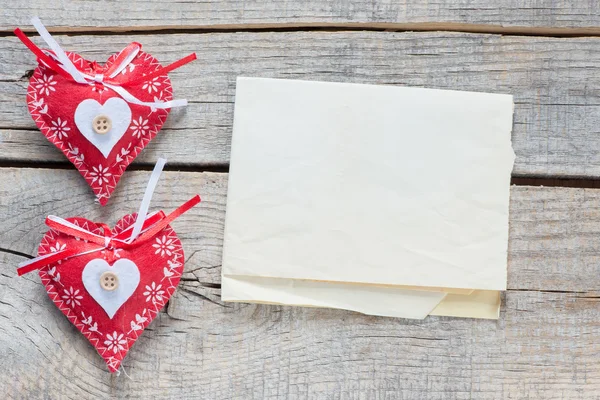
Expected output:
(161, 71)
(151, 227)
(52, 64)
(39, 53)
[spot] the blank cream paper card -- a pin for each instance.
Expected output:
(384, 200)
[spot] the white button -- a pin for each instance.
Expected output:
(109, 281)
(101, 124)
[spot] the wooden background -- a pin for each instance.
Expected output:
(546, 344)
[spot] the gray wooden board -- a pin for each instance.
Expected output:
(545, 344)
(555, 83)
(155, 14)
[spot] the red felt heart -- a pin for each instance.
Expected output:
(53, 102)
(160, 264)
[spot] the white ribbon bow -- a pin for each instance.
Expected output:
(80, 77)
(136, 228)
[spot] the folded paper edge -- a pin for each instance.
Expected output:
(367, 299)
(482, 304)
(448, 290)
(380, 301)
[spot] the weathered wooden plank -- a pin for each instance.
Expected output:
(145, 14)
(554, 81)
(545, 345)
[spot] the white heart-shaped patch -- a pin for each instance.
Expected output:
(114, 108)
(128, 276)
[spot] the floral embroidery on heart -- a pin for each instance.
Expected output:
(58, 247)
(45, 84)
(139, 320)
(60, 129)
(71, 297)
(111, 283)
(100, 174)
(54, 275)
(154, 293)
(163, 246)
(91, 325)
(152, 85)
(64, 80)
(140, 127)
(114, 342)
(74, 302)
(47, 109)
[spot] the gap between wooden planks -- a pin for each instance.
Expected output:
(523, 179)
(556, 182)
(201, 350)
(324, 26)
(554, 82)
(224, 168)
(545, 223)
(271, 14)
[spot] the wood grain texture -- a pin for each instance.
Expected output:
(555, 83)
(147, 14)
(545, 344)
